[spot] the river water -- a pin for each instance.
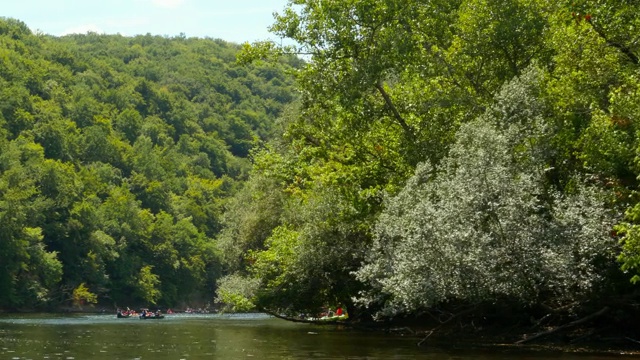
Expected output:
(184, 336)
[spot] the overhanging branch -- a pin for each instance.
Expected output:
(394, 110)
(625, 50)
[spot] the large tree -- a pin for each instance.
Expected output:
(500, 133)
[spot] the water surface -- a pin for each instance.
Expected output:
(186, 336)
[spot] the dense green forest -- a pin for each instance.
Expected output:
(427, 158)
(117, 156)
(446, 157)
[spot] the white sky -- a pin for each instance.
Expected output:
(231, 20)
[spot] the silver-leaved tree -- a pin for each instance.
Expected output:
(486, 224)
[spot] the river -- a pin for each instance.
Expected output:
(186, 336)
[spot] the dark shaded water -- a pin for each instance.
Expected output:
(182, 336)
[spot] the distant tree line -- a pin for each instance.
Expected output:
(117, 157)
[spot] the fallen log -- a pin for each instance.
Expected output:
(565, 326)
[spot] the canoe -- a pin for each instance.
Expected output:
(121, 316)
(154, 317)
(330, 318)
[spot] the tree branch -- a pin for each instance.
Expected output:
(625, 50)
(443, 323)
(566, 326)
(394, 111)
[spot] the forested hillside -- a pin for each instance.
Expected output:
(117, 155)
(458, 156)
(438, 158)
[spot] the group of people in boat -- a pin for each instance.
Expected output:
(126, 313)
(327, 314)
(334, 314)
(144, 313)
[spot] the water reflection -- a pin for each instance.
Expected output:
(186, 336)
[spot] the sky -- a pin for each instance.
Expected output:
(231, 20)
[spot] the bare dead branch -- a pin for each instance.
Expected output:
(566, 326)
(632, 340)
(442, 324)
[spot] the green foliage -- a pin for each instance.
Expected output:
(501, 134)
(468, 150)
(237, 293)
(484, 226)
(118, 156)
(273, 264)
(82, 295)
(31, 270)
(249, 219)
(596, 96)
(147, 285)
(606, 148)
(478, 229)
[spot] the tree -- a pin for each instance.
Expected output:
(147, 284)
(485, 226)
(82, 295)
(30, 269)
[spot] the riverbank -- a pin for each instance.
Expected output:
(578, 337)
(578, 340)
(470, 334)
(604, 331)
